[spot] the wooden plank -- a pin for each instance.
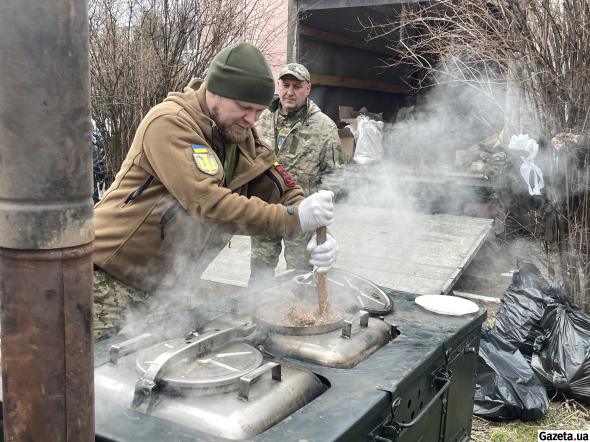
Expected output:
(293, 32)
(357, 43)
(406, 250)
(466, 261)
(403, 250)
(413, 173)
(232, 265)
(353, 83)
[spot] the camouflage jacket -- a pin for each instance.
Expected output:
(307, 145)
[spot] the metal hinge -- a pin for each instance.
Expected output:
(444, 371)
(441, 372)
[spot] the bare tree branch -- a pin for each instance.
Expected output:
(142, 49)
(538, 47)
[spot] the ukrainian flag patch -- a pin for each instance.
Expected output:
(199, 149)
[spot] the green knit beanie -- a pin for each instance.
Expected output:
(241, 72)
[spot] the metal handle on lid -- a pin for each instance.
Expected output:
(234, 303)
(199, 345)
(147, 386)
(347, 327)
(129, 346)
(245, 381)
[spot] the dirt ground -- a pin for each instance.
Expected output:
(490, 272)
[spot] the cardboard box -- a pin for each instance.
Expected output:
(346, 112)
(351, 121)
(348, 144)
(464, 157)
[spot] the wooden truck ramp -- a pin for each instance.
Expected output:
(403, 250)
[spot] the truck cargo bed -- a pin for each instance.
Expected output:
(409, 251)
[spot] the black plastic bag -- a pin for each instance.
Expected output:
(519, 317)
(506, 388)
(562, 354)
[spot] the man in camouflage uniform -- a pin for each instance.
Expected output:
(121, 302)
(307, 144)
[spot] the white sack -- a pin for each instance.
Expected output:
(369, 141)
(523, 142)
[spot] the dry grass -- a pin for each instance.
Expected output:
(492, 310)
(564, 414)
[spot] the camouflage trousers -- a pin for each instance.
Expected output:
(117, 305)
(265, 256)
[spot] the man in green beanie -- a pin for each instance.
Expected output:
(195, 175)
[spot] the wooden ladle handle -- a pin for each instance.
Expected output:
(322, 282)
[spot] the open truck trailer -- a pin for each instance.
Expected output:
(386, 370)
(329, 38)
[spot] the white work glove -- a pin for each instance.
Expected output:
(324, 255)
(316, 210)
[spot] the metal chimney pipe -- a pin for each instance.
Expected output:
(46, 216)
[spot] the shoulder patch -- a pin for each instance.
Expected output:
(206, 162)
(290, 182)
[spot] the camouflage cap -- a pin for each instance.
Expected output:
(297, 70)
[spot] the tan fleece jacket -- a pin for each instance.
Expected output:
(164, 220)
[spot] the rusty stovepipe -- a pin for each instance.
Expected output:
(46, 216)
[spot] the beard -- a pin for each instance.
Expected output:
(232, 135)
(227, 131)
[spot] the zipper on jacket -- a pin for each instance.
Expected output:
(215, 130)
(213, 146)
(139, 190)
(168, 215)
(269, 174)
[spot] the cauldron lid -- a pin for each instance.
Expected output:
(348, 290)
(215, 369)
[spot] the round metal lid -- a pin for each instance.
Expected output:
(219, 369)
(350, 290)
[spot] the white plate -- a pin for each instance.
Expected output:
(447, 305)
